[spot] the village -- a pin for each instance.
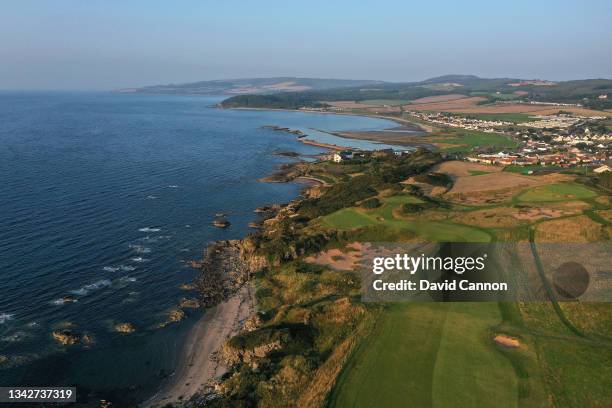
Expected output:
(551, 141)
(560, 140)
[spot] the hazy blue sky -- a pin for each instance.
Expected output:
(103, 44)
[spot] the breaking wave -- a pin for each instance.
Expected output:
(149, 229)
(85, 290)
(140, 249)
(5, 317)
(122, 268)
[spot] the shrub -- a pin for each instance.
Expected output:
(371, 203)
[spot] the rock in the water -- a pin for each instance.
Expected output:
(221, 223)
(268, 208)
(189, 303)
(176, 315)
(188, 286)
(66, 336)
(3, 360)
(125, 328)
(69, 299)
(87, 339)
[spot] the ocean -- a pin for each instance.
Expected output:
(104, 199)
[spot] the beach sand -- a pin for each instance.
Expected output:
(198, 364)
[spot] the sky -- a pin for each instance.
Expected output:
(110, 44)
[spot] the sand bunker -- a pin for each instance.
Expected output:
(339, 260)
(507, 341)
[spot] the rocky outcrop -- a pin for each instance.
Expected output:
(176, 315)
(227, 265)
(66, 337)
(125, 328)
(234, 352)
(272, 208)
(254, 322)
(221, 223)
(189, 303)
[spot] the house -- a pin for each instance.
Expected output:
(602, 169)
(342, 155)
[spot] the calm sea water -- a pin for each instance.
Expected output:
(104, 197)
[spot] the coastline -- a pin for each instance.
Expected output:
(198, 365)
(383, 136)
(399, 121)
(199, 368)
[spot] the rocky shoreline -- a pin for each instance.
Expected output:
(222, 286)
(226, 267)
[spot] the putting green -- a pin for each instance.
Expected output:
(348, 218)
(556, 192)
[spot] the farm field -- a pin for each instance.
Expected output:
(381, 102)
(513, 108)
(451, 105)
(439, 98)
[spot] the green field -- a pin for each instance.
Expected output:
(430, 354)
(497, 96)
(390, 102)
(556, 192)
(348, 218)
(478, 172)
(440, 231)
(466, 140)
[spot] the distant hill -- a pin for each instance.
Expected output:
(251, 86)
(585, 92)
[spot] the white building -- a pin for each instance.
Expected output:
(602, 169)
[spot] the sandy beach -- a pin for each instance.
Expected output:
(198, 364)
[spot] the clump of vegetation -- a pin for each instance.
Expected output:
(371, 203)
(411, 208)
(435, 179)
